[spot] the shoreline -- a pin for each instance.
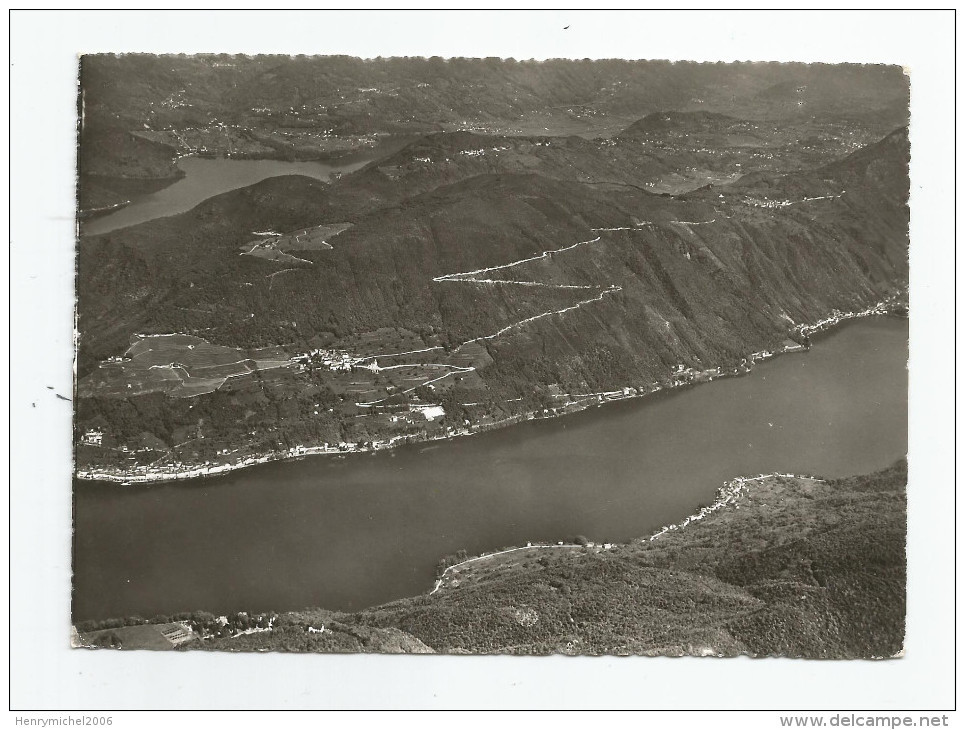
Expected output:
(576, 404)
(89, 213)
(727, 495)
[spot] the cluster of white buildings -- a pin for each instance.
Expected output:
(684, 374)
(481, 152)
(729, 494)
(175, 100)
(93, 437)
(335, 360)
(466, 153)
(765, 203)
(838, 316)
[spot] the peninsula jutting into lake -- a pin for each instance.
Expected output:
(341, 266)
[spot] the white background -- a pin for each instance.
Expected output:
(47, 677)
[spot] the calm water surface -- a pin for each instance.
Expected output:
(207, 177)
(361, 530)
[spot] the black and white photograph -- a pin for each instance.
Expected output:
(468, 354)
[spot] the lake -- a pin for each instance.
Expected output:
(347, 533)
(207, 177)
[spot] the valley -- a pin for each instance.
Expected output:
(303, 283)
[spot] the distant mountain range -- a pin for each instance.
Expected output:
(317, 107)
(398, 91)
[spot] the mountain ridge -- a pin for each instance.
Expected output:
(318, 107)
(553, 283)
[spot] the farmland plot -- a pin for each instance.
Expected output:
(181, 366)
(311, 239)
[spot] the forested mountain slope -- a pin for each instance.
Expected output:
(836, 238)
(522, 281)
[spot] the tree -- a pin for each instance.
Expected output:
(108, 641)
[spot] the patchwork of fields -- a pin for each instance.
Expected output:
(184, 366)
(372, 388)
(180, 366)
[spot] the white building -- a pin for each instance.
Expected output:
(93, 437)
(433, 412)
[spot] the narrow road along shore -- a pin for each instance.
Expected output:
(727, 495)
(579, 402)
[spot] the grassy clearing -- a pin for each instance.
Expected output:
(276, 248)
(312, 239)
